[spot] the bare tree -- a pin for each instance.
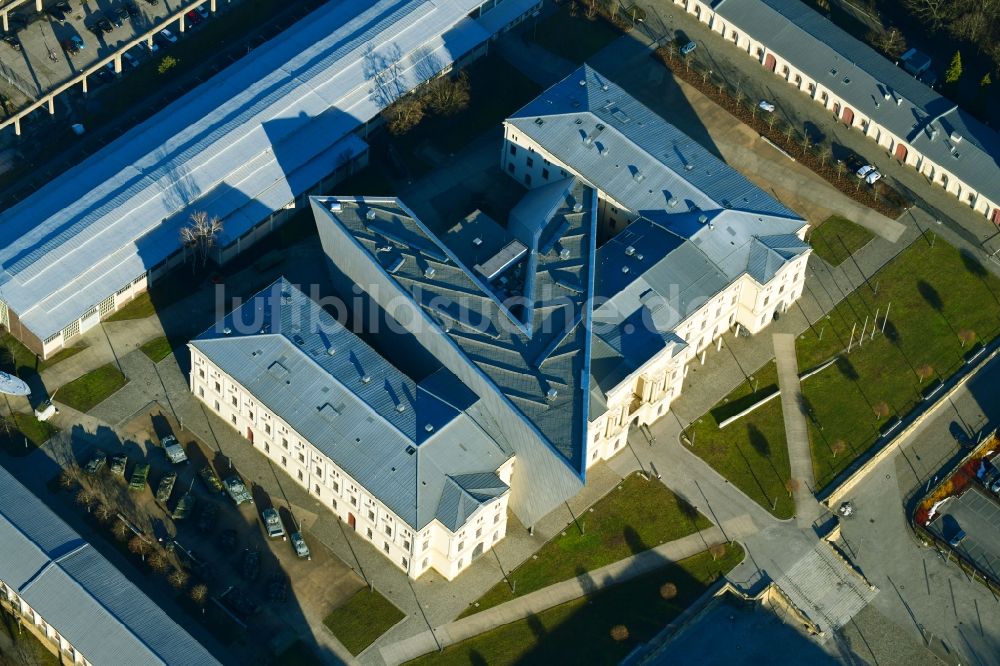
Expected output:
(880, 409)
(966, 336)
(86, 497)
(199, 594)
(382, 69)
(199, 236)
(771, 120)
(890, 42)
(178, 578)
(103, 512)
(404, 115)
(718, 551)
(925, 372)
(806, 142)
(591, 10)
(158, 561)
(934, 13)
(668, 591)
(838, 447)
(120, 530)
(792, 486)
(446, 95)
(139, 546)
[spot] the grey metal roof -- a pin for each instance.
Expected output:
(79, 593)
(463, 494)
(872, 85)
(625, 150)
(528, 329)
(241, 146)
(397, 438)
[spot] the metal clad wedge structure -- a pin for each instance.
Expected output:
(240, 146)
(92, 605)
(521, 341)
(405, 442)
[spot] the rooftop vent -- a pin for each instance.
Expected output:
(583, 82)
(551, 394)
(624, 270)
(672, 202)
(298, 339)
(539, 122)
(688, 167)
(564, 254)
(400, 408)
(604, 151)
(410, 450)
(899, 101)
(956, 137)
(370, 214)
(286, 297)
(703, 218)
(477, 241)
(366, 379)
(887, 96)
(227, 330)
(335, 207)
(578, 121)
(638, 176)
(429, 272)
(604, 87)
(331, 351)
(428, 428)
(629, 251)
(638, 257)
(578, 207)
(846, 80)
(833, 71)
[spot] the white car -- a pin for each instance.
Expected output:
(872, 177)
(865, 170)
(687, 48)
(169, 36)
(766, 106)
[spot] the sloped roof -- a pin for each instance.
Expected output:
(526, 330)
(241, 145)
(397, 438)
(872, 85)
(463, 494)
(625, 150)
(86, 599)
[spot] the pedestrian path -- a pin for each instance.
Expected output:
(559, 593)
(793, 410)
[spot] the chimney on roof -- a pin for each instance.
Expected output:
(428, 428)
(703, 218)
(335, 207)
(429, 272)
(672, 202)
(331, 351)
(551, 394)
(578, 207)
(366, 379)
(956, 137)
(401, 408)
(370, 214)
(629, 251)
(899, 101)
(564, 254)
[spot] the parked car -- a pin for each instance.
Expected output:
(184, 506)
(56, 13)
(114, 19)
(74, 45)
(238, 490)
(996, 487)
(98, 459)
(206, 517)
(165, 487)
(272, 523)
(133, 62)
(118, 463)
(250, 566)
(864, 171)
(202, 11)
(63, 6)
(956, 538)
(194, 18)
(167, 35)
(131, 9)
(122, 13)
(210, 478)
(173, 449)
(687, 48)
(94, 29)
(138, 479)
(764, 105)
(105, 26)
(300, 546)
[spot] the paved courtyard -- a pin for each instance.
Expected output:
(978, 515)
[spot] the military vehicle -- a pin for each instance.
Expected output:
(238, 490)
(173, 449)
(210, 478)
(300, 546)
(165, 487)
(97, 461)
(184, 506)
(272, 523)
(118, 463)
(138, 479)
(250, 567)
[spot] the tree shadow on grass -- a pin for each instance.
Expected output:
(758, 442)
(930, 295)
(636, 544)
(847, 369)
(753, 474)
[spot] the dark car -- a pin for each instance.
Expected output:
(12, 42)
(96, 463)
(113, 18)
(193, 18)
(131, 9)
(161, 41)
(56, 13)
(63, 6)
(152, 3)
(121, 13)
(240, 602)
(206, 517)
(250, 566)
(106, 75)
(105, 25)
(228, 539)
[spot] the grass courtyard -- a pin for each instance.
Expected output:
(940, 302)
(580, 631)
(21, 361)
(86, 392)
(837, 238)
(157, 349)
(751, 452)
(635, 516)
(362, 619)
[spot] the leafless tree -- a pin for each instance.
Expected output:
(718, 551)
(881, 409)
(792, 486)
(771, 120)
(591, 9)
(966, 336)
(925, 372)
(199, 594)
(838, 447)
(178, 578)
(199, 237)
(933, 13)
(890, 42)
(158, 561)
(448, 95)
(86, 497)
(404, 115)
(382, 69)
(668, 591)
(139, 546)
(103, 512)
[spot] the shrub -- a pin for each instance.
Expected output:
(167, 64)
(619, 633)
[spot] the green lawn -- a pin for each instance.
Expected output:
(938, 295)
(838, 238)
(575, 38)
(751, 452)
(579, 632)
(139, 307)
(635, 516)
(26, 426)
(359, 622)
(86, 392)
(21, 361)
(157, 349)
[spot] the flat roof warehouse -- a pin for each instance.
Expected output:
(240, 146)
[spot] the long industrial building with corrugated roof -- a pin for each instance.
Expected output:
(248, 145)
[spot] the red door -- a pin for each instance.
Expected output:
(250, 435)
(900, 152)
(769, 62)
(848, 115)
(351, 521)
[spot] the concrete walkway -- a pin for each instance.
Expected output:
(793, 409)
(553, 595)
